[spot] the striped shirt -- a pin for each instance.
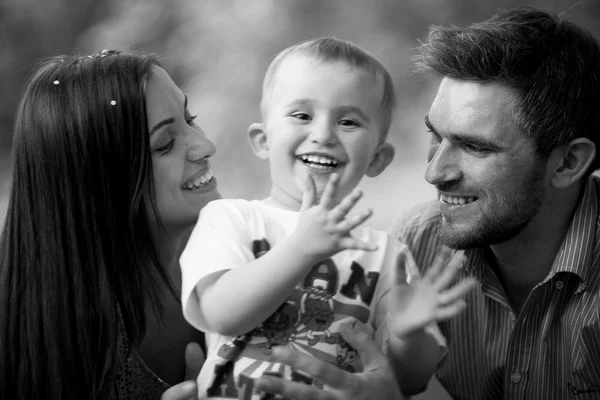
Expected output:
(551, 349)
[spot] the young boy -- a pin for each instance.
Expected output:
(286, 270)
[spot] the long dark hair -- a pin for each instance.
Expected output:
(77, 248)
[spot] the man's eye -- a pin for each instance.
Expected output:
(477, 150)
(166, 148)
(435, 138)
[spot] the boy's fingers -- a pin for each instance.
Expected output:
(350, 223)
(347, 203)
(457, 291)
(328, 196)
(351, 243)
(446, 276)
(310, 193)
(450, 311)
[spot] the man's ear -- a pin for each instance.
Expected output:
(258, 140)
(570, 162)
(381, 159)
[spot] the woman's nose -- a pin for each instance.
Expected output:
(200, 147)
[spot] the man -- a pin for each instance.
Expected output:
(515, 127)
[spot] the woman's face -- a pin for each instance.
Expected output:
(183, 179)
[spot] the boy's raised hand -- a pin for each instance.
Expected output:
(430, 298)
(323, 227)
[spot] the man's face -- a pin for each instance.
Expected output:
(490, 180)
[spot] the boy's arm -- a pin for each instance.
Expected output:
(415, 345)
(414, 359)
(235, 301)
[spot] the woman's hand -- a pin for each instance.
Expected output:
(375, 382)
(187, 390)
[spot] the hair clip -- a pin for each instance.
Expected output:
(113, 102)
(56, 82)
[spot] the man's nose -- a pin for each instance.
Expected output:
(443, 164)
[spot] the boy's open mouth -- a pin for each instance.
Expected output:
(318, 161)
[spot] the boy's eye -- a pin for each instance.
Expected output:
(301, 116)
(348, 122)
(165, 148)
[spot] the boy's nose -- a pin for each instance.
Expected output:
(323, 134)
(443, 166)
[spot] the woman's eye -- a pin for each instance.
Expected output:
(190, 120)
(165, 149)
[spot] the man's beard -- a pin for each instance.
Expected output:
(499, 222)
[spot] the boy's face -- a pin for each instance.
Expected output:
(320, 118)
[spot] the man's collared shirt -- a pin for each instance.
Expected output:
(551, 349)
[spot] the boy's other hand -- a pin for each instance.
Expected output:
(430, 298)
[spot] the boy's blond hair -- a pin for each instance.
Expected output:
(334, 50)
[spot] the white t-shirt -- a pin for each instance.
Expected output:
(347, 287)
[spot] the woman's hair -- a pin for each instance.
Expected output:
(77, 247)
(552, 65)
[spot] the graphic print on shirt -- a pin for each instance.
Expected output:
(308, 322)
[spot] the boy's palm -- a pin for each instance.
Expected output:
(323, 227)
(431, 298)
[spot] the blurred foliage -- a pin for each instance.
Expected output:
(218, 50)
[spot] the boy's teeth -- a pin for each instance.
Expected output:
(320, 160)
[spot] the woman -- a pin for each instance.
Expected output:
(98, 209)
(110, 172)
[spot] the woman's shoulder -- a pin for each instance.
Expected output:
(133, 379)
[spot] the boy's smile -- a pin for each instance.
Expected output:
(319, 118)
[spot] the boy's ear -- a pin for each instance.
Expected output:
(381, 159)
(258, 140)
(570, 162)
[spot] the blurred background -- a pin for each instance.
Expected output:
(218, 50)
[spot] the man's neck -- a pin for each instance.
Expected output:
(525, 260)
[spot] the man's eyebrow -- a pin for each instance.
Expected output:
(467, 139)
